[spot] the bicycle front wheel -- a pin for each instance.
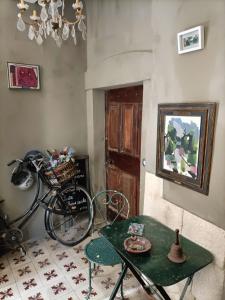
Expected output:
(70, 216)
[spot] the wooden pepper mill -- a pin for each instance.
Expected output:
(176, 252)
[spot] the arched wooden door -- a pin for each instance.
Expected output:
(123, 142)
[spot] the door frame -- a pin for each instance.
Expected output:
(95, 100)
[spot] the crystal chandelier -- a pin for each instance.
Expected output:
(50, 21)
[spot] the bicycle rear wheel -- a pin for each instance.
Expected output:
(70, 216)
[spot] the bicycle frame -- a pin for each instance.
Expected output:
(54, 193)
(34, 206)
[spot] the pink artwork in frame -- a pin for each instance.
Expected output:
(21, 76)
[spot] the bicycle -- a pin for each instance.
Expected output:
(68, 208)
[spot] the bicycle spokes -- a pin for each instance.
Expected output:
(69, 219)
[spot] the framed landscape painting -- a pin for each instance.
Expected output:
(21, 76)
(185, 143)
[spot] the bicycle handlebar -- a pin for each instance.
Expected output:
(35, 162)
(11, 162)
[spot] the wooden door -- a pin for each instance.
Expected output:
(123, 142)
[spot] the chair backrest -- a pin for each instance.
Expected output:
(110, 206)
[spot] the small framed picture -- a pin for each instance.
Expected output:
(185, 144)
(23, 76)
(136, 229)
(190, 40)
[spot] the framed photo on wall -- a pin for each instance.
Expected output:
(23, 76)
(190, 40)
(185, 144)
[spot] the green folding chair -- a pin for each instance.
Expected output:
(110, 206)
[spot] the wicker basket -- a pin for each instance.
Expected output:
(61, 173)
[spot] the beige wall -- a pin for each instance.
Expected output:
(208, 283)
(135, 41)
(50, 118)
(197, 76)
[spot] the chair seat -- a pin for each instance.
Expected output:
(100, 251)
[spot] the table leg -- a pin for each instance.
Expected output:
(159, 290)
(188, 282)
(90, 287)
(121, 286)
(119, 282)
(163, 292)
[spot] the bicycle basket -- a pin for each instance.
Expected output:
(62, 173)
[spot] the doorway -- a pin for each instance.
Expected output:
(123, 142)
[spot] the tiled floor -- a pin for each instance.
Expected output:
(53, 271)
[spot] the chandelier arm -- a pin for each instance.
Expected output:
(65, 20)
(39, 22)
(78, 13)
(33, 23)
(70, 22)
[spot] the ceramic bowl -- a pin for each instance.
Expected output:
(137, 244)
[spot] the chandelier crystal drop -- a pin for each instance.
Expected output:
(48, 20)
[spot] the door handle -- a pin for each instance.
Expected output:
(109, 162)
(144, 162)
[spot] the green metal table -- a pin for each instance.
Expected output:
(154, 265)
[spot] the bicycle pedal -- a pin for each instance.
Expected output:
(23, 251)
(3, 235)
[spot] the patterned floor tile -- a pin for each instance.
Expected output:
(78, 278)
(18, 260)
(50, 274)
(55, 246)
(38, 252)
(24, 271)
(63, 258)
(14, 252)
(43, 262)
(70, 296)
(69, 267)
(78, 250)
(30, 284)
(58, 288)
(99, 272)
(46, 241)
(96, 293)
(3, 263)
(36, 295)
(105, 284)
(104, 271)
(52, 271)
(82, 261)
(47, 238)
(6, 277)
(33, 243)
(10, 292)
